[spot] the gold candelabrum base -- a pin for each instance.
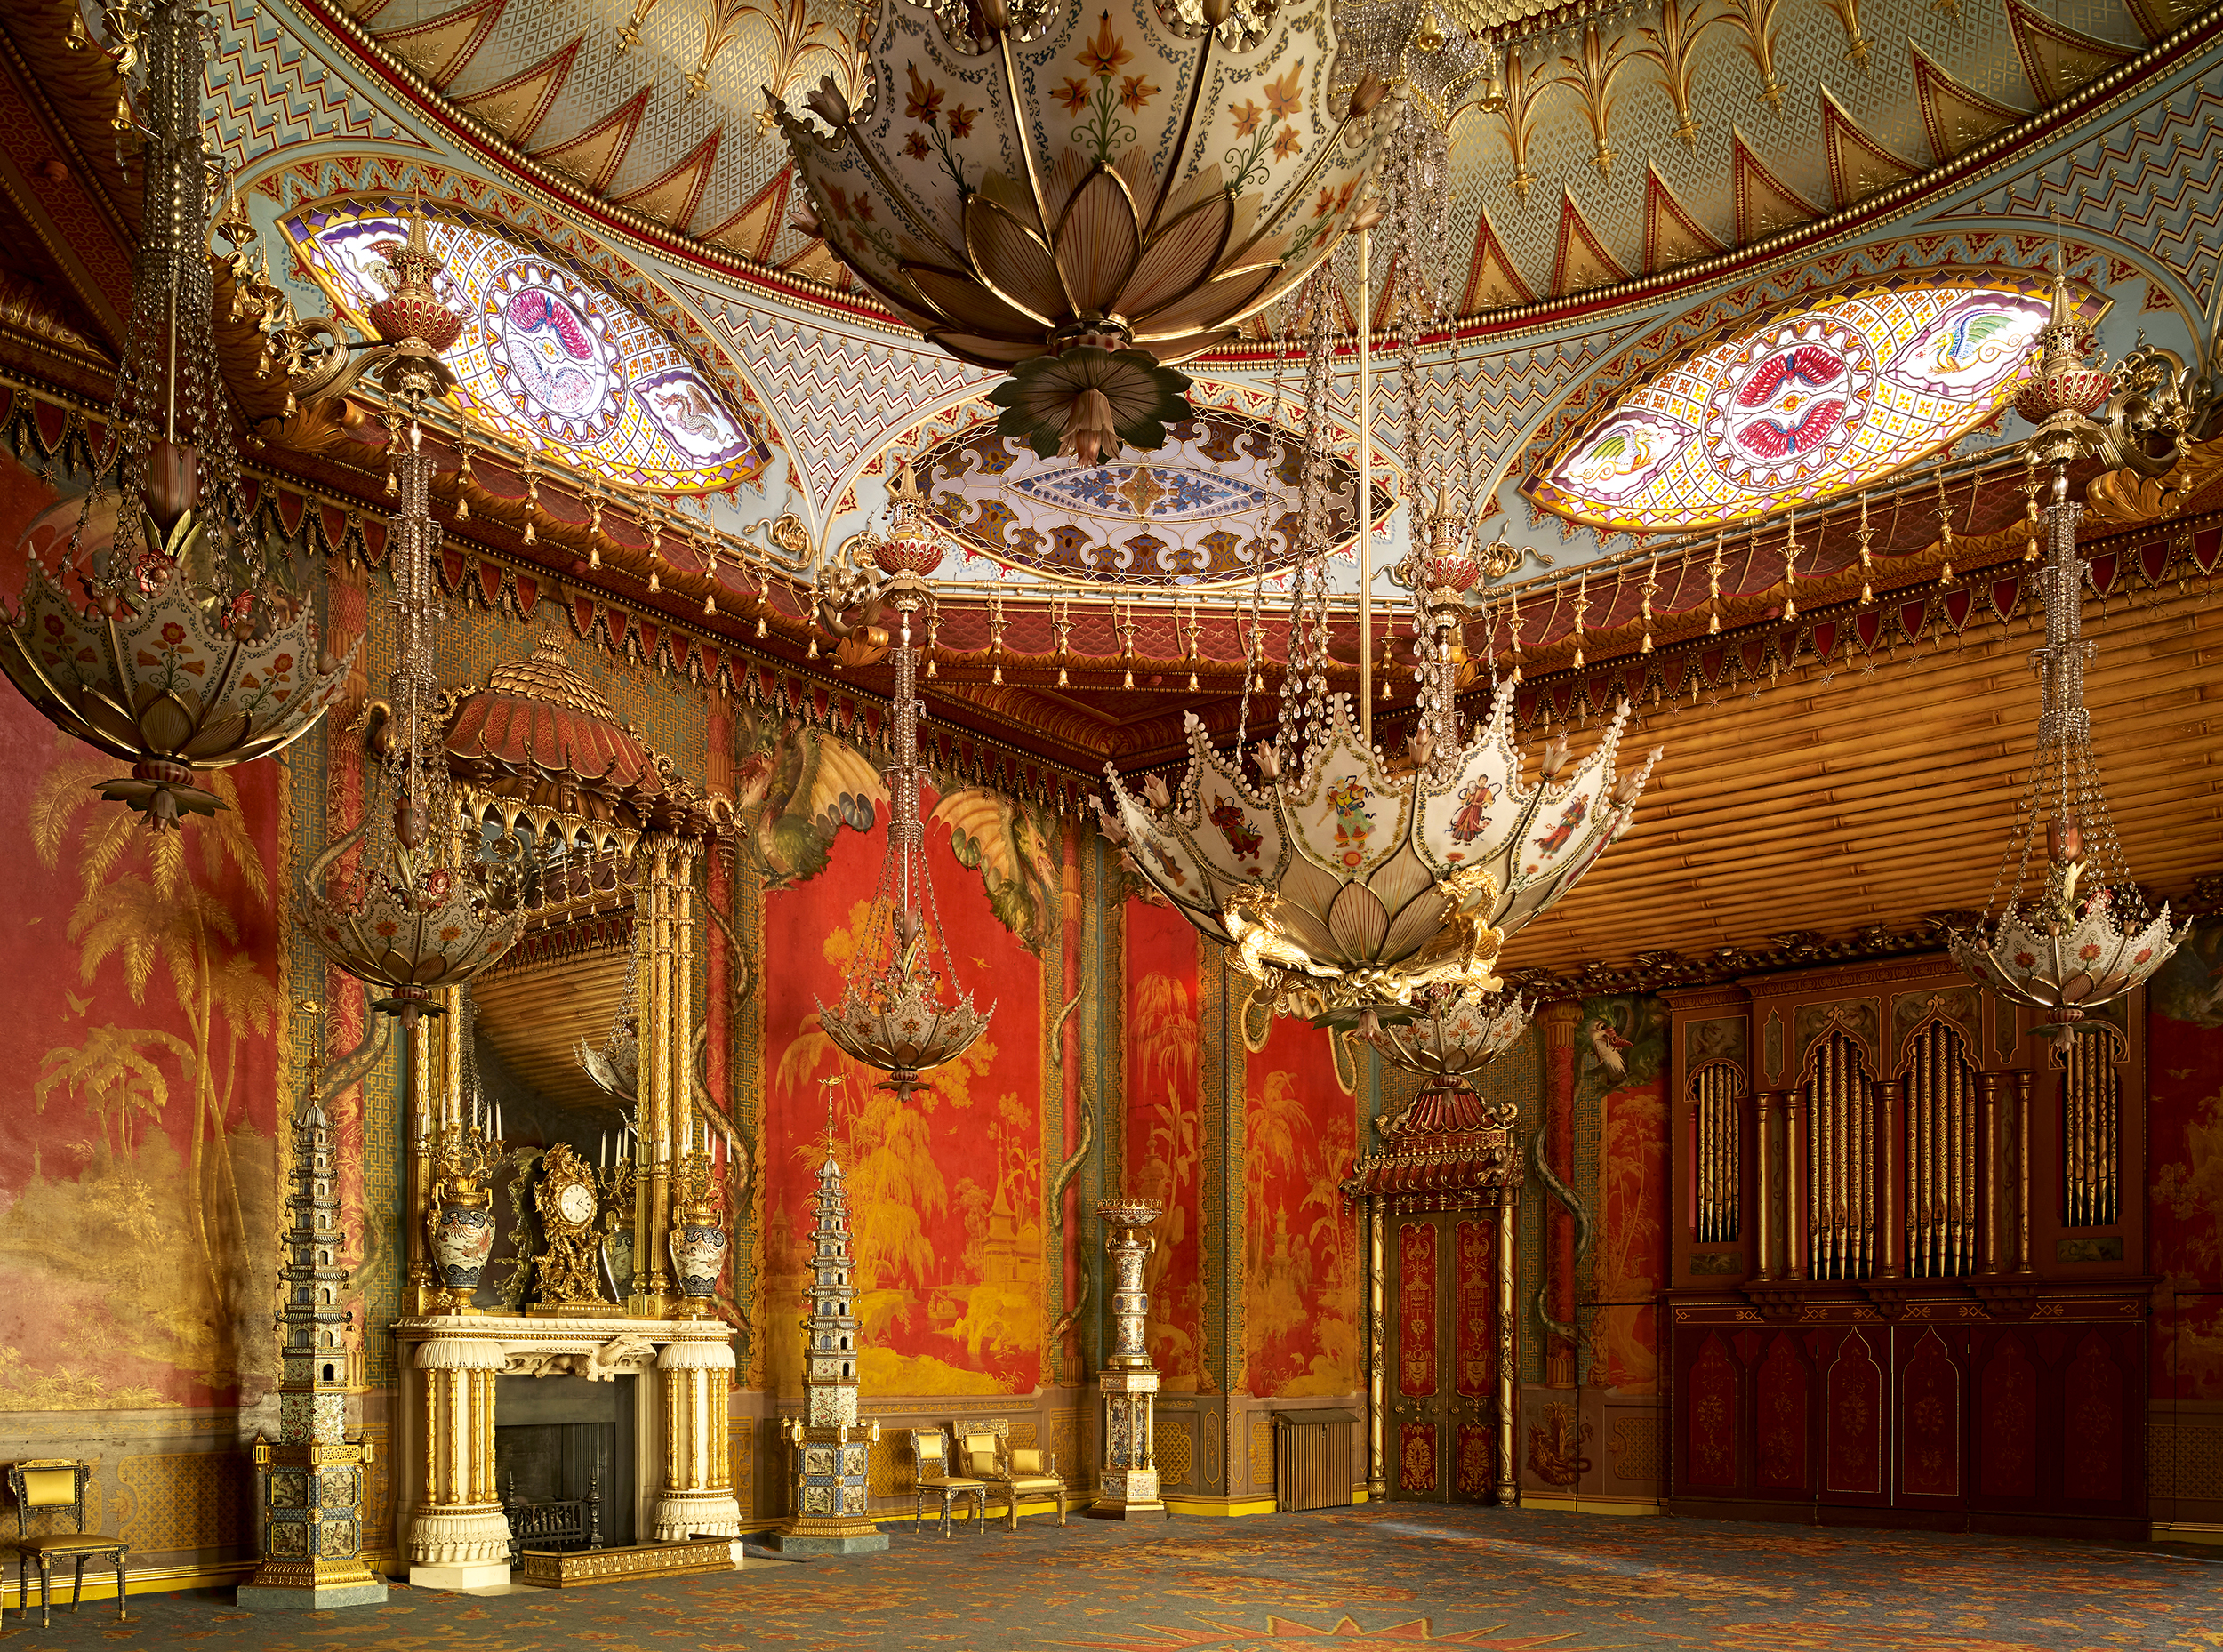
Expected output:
(1126, 1484)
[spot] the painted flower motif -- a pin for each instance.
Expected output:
(916, 147)
(1074, 95)
(387, 928)
(282, 666)
(838, 202)
(2023, 961)
(864, 207)
(961, 121)
(1247, 115)
(1106, 55)
(1282, 96)
(173, 633)
(1333, 201)
(1134, 91)
(53, 625)
(2089, 951)
(924, 101)
(1285, 143)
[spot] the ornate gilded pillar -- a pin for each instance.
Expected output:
(2019, 1177)
(1991, 1145)
(1559, 1022)
(1891, 1178)
(1127, 1483)
(459, 1538)
(423, 1283)
(697, 1499)
(1377, 1349)
(1508, 1358)
(1797, 1243)
(1769, 1152)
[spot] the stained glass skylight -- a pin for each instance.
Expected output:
(1819, 401)
(548, 355)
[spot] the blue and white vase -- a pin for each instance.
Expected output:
(698, 1254)
(462, 1229)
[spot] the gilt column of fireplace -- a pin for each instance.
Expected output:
(697, 1500)
(459, 1538)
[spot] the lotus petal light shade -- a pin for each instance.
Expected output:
(1092, 180)
(162, 685)
(1360, 887)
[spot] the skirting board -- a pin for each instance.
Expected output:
(144, 1580)
(1588, 1505)
(2186, 1531)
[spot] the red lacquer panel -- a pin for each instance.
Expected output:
(139, 1199)
(1782, 1396)
(1713, 1416)
(2007, 1423)
(1417, 1456)
(1630, 1258)
(1416, 1309)
(1854, 1459)
(1477, 1460)
(1301, 1320)
(1930, 1426)
(2091, 1417)
(1476, 1249)
(1165, 1132)
(2184, 1077)
(945, 1191)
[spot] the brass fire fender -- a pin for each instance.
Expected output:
(1376, 1209)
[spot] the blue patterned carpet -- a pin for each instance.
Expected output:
(1388, 1578)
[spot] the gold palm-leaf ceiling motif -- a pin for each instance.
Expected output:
(1631, 143)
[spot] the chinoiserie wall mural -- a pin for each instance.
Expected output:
(1165, 1134)
(2184, 1124)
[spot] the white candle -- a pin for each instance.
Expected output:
(605, 1150)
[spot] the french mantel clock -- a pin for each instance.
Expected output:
(569, 1204)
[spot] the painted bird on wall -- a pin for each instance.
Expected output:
(795, 788)
(1001, 839)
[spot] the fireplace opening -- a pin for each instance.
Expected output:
(559, 1441)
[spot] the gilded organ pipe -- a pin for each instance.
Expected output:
(1841, 1219)
(2092, 1105)
(1719, 1090)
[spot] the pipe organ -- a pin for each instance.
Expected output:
(1903, 1275)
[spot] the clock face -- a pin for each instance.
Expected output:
(575, 1203)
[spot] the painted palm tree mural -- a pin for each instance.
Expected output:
(1165, 1134)
(1300, 1275)
(139, 1215)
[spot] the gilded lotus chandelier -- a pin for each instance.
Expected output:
(901, 1009)
(1083, 199)
(2087, 937)
(169, 636)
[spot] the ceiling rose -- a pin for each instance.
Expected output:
(1083, 196)
(1215, 503)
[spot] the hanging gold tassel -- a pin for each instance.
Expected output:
(1868, 559)
(1791, 567)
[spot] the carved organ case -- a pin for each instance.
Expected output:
(1907, 1275)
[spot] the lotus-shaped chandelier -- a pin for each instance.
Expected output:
(2086, 936)
(416, 899)
(1454, 1035)
(1084, 198)
(901, 1010)
(169, 636)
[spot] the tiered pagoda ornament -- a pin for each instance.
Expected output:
(170, 636)
(2086, 937)
(1126, 1484)
(422, 909)
(901, 1008)
(312, 1474)
(1082, 199)
(831, 1448)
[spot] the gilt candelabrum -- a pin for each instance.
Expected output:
(1126, 1484)
(2087, 935)
(170, 635)
(901, 1009)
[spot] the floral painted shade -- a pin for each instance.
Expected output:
(1821, 400)
(1112, 185)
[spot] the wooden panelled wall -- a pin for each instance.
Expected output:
(1908, 1264)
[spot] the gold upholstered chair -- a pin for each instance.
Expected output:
(929, 1451)
(42, 1485)
(1016, 1471)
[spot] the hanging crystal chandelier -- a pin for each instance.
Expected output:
(901, 1008)
(1083, 200)
(1346, 883)
(2086, 936)
(170, 636)
(413, 900)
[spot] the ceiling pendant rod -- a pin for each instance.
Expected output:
(1366, 494)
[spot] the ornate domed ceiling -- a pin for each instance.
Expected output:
(1645, 139)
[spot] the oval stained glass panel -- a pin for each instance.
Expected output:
(548, 356)
(1821, 400)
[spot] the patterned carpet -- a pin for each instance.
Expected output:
(1390, 1578)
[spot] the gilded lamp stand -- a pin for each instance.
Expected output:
(1126, 1484)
